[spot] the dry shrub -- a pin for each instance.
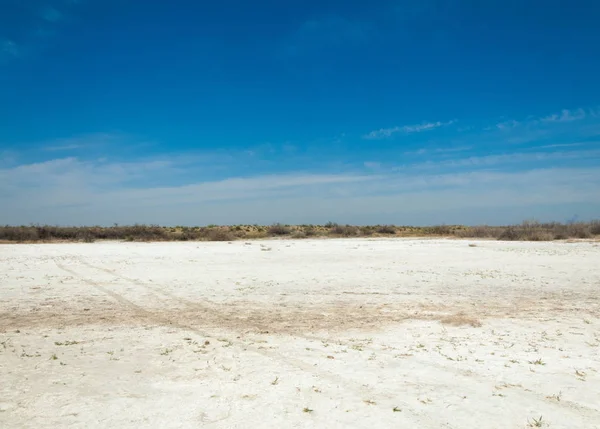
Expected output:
(310, 231)
(345, 230)
(366, 231)
(220, 234)
(19, 233)
(579, 230)
(386, 229)
(460, 319)
(480, 231)
(279, 229)
(527, 231)
(439, 230)
(298, 234)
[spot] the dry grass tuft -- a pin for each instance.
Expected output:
(460, 319)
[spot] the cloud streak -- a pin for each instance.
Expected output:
(565, 115)
(73, 191)
(384, 133)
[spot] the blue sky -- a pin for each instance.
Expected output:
(226, 112)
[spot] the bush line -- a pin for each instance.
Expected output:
(526, 231)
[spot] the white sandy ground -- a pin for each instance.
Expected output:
(300, 334)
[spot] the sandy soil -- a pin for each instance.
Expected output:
(355, 333)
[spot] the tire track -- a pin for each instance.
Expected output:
(360, 391)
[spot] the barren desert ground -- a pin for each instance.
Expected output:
(352, 333)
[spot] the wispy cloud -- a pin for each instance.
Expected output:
(69, 190)
(438, 150)
(383, 133)
(87, 141)
(554, 146)
(507, 124)
(565, 115)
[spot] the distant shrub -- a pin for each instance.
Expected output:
(440, 230)
(527, 231)
(480, 231)
(279, 229)
(386, 229)
(310, 231)
(218, 234)
(345, 230)
(299, 234)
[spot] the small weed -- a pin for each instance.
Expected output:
(535, 423)
(580, 374)
(66, 343)
(369, 402)
(396, 410)
(53, 357)
(537, 362)
(166, 352)
(307, 410)
(275, 382)
(555, 397)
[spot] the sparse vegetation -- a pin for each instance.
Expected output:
(526, 231)
(460, 319)
(535, 423)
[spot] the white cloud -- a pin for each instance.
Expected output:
(383, 133)
(507, 125)
(438, 150)
(565, 115)
(504, 159)
(86, 141)
(72, 191)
